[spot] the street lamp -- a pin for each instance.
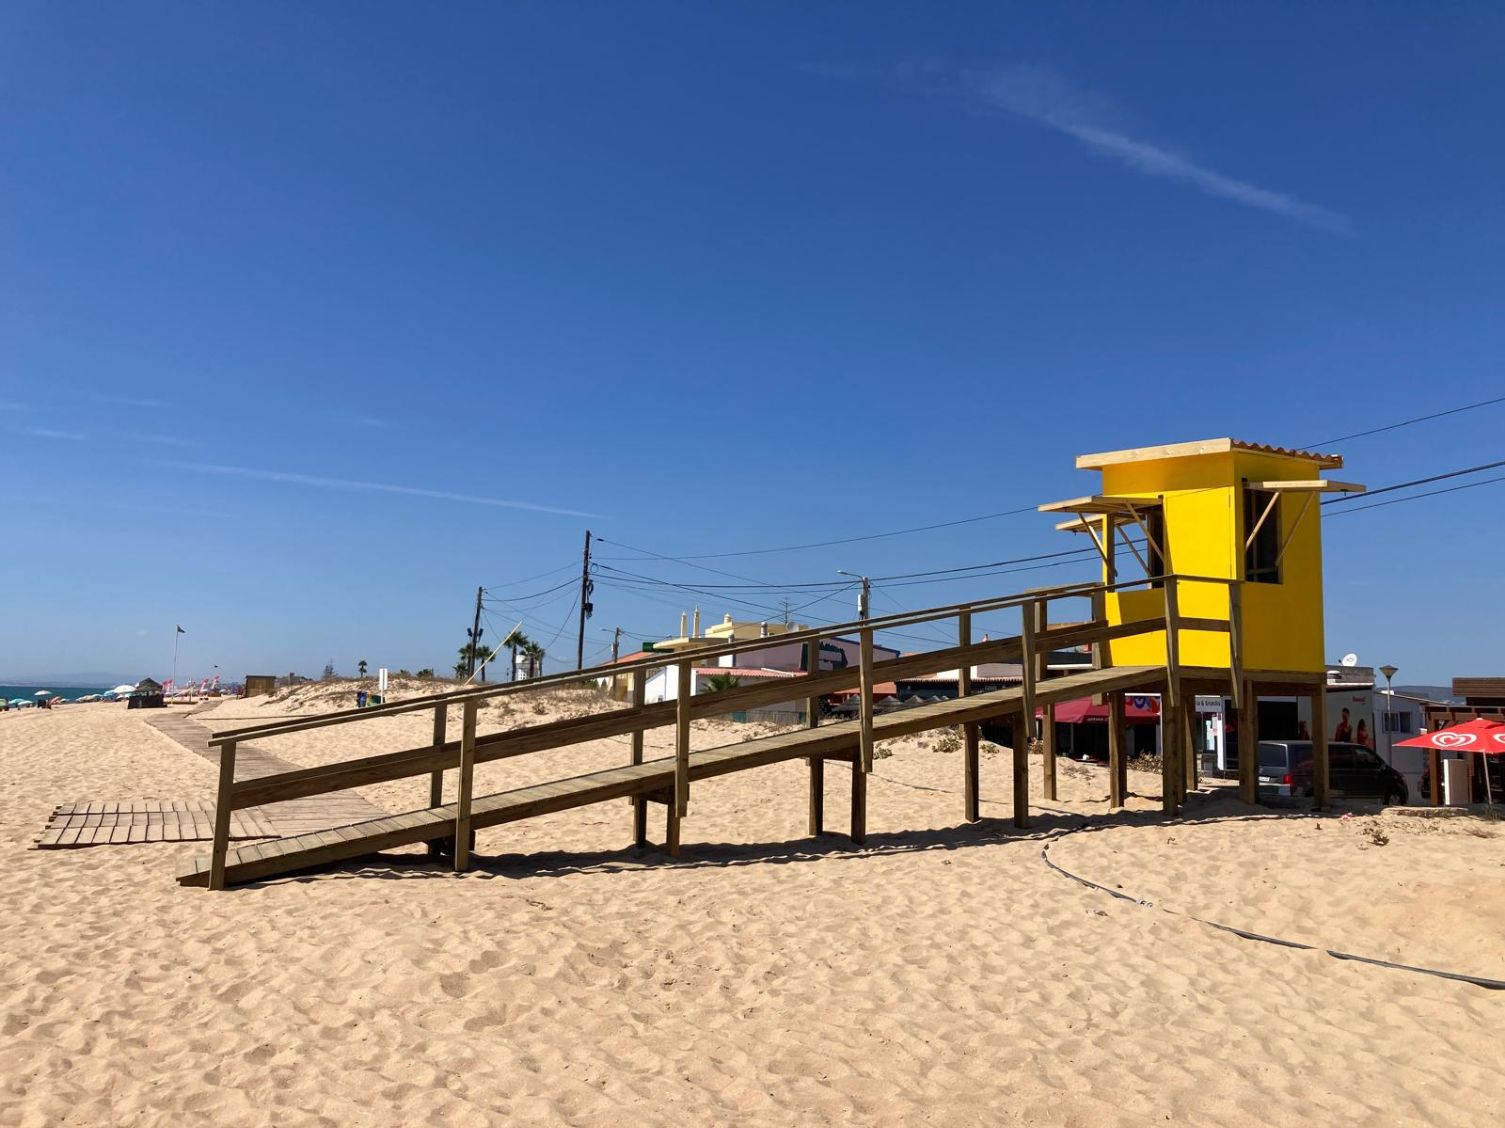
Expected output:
(1389, 672)
(867, 587)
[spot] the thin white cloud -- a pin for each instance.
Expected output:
(49, 433)
(163, 440)
(1041, 95)
(289, 478)
(124, 401)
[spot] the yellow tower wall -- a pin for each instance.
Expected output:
(1204, 534)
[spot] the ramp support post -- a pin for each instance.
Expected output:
(466, 779)
(866, 674)
(1025, 732)
(222, 816)
(970, 732)
(682, 742)
(436, 781)
(817, 763)
(1048, 720)
(1172, 728)
(859, 801)
(1118, 767)
(639, 803)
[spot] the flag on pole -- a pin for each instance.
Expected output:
(182, 631)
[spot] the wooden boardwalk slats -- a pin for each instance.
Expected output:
(144, 820)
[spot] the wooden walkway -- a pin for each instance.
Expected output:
(108, 823)
(293, 817)
(652, 779)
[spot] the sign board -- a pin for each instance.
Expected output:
(381, 681)
(1209, 704)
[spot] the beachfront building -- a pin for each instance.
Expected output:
(1222, 510)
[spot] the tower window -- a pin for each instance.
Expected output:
(1262, 551)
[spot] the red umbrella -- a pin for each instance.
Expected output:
(1484, 737)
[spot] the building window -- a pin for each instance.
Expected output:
(1397, 721)
(1261, 557)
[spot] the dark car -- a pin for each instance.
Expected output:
(1285, 769)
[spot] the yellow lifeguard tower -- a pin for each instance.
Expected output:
(1241, 517)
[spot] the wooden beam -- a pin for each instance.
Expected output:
(1306, 503)
(1312, 485)
(464, 784)
(1189, 766)
(865, 684)
(1170, 762)
(817, 796)
(1172, 639)
(971, 733)
(1319, 748)
(1025, 731)
(1118, 767)
(436, 778)
(859, 801)
(1236, 642)
(639, 804)
(671, 829)
(1048, 721)
(686, 689)
(1248, 744)
(222, 809)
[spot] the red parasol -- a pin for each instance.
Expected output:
(1484, 737)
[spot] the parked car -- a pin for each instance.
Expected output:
(1285, 769)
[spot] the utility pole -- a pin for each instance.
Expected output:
(475, 638)
(585, 601)
(616, 645)
(864, 598)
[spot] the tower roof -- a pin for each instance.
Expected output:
(1201, 447)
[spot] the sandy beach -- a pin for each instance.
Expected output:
(941, 974)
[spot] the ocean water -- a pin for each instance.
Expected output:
(65, 692)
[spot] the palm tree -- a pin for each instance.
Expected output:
(361, 666)
(718, 682)
(514, 642)
(533, 655)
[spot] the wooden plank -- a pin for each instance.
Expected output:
(222, 816)
(1118, 760)
(859, 802)
(1236, 644)
(971, 732)
(1248, 744)
(464, 781)
(817, 806)
(639, 804)
(671, 828)
(1170, 760)
(865, 693)
(1048, 721)
(686, 689)
(1024, 732)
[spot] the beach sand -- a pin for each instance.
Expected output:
(941, 974)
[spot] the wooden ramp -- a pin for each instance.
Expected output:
(652, 778)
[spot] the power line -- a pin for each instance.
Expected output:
(1417, 497)
(1409, 422)
(1417, 482)
(1023, 509)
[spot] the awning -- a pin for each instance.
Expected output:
(1139, 708)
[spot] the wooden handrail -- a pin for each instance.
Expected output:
(642, 665)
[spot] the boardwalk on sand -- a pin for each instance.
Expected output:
(296, 816)
(653, 779)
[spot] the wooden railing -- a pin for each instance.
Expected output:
(1035, 640)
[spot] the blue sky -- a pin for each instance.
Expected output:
(711, 279)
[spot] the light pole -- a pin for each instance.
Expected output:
(1389, 672)
(867, 590)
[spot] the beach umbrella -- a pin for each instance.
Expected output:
(1484, 737)
(119, 689)
(19, 701)
(42, 693)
